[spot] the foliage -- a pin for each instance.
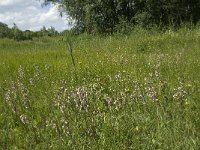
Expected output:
(4, 30)
(19, 35)
(102, 16)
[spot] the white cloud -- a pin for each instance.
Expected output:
(51, 15)
(9, 2)
(28, 14)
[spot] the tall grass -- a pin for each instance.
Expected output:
(139, 91)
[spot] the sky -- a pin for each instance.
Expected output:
(30, 15)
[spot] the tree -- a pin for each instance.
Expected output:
(52, 32)
(17, 33)
(43, 32)
(28, 35)
(4, 30)
(103, 16)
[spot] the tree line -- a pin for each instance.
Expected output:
(18, 35)
(107, 16)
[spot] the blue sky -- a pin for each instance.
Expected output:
(30, 15)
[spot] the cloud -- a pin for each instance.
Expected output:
(30, 15)
(9, 2)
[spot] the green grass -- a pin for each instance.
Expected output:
(139, 91)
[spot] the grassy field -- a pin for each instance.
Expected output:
(140, 91)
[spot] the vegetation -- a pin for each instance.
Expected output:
(136, 91)
(19, 35)
(106, 16)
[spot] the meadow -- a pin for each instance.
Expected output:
(136, 91)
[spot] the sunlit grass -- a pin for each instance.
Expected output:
(139, 91)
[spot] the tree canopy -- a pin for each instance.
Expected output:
(103, 16)
(19, 35)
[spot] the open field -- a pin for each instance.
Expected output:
(140, 91)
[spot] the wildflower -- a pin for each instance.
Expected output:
(136, 128)
(108, 100)
(24, 119)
